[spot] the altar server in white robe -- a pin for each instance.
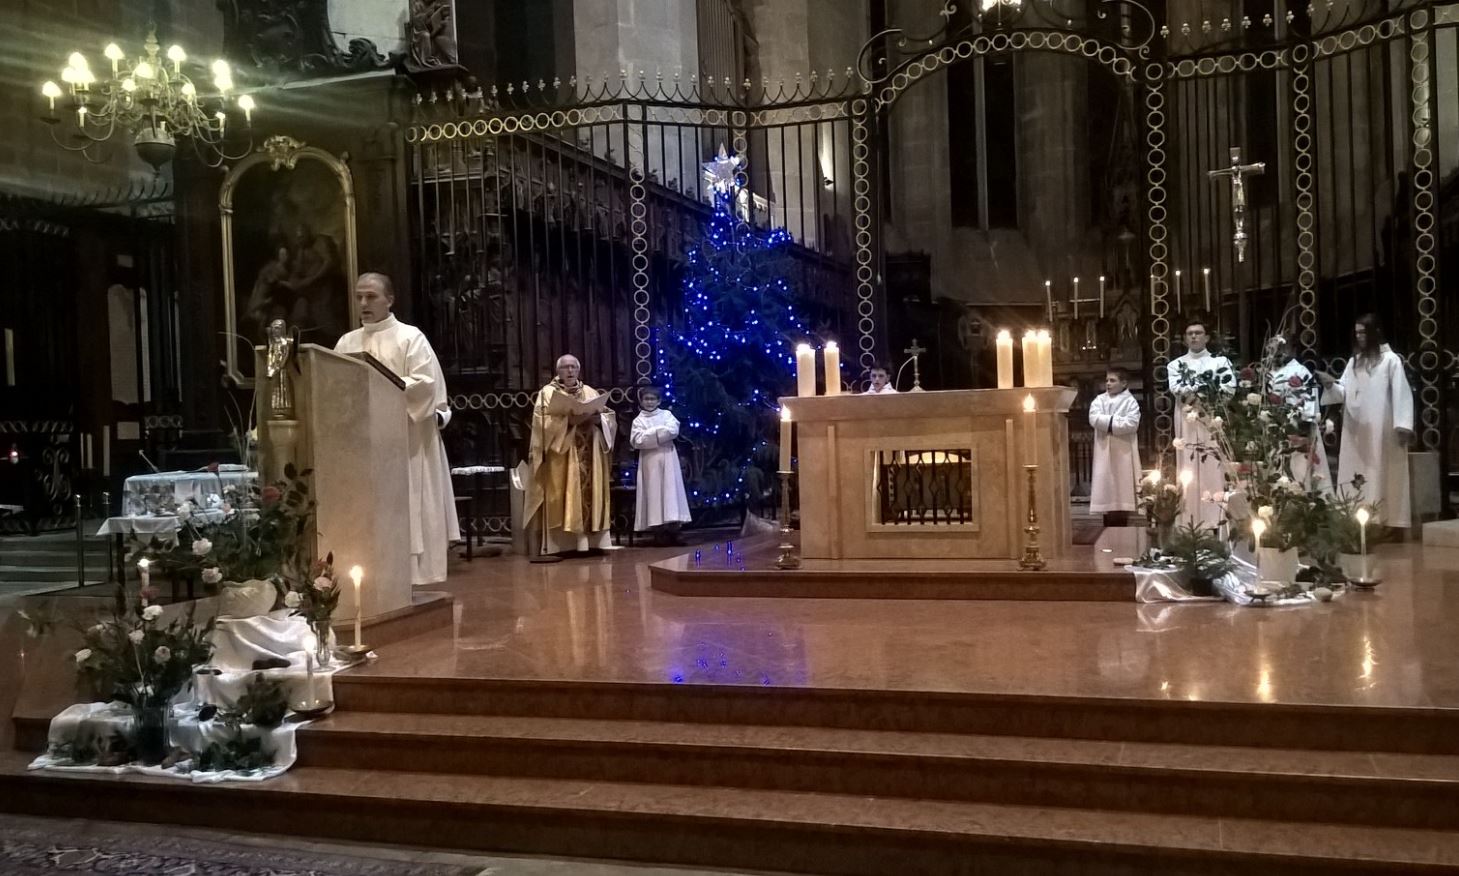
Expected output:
(1291, 380)
(1377, 422)
(404, 349)
(663, 506)
(1183, 375)
(1115, 417)
(881, 381)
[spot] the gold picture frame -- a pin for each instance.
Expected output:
(288, 227)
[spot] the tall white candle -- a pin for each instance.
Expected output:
(1206, 278)
(1101, 296)
(1075, 298)
(1030, 428)
(1363, 517)
(832, 357)
(106, 451)
(1177, 287)
(1046, 358)
(1258, 527)
(785, 439)
(1005, 359)
(310, 700)
(144, 575)
(1186, 478)
(1030, 358)
(356, 573)
(1049, 298)
(805, 371)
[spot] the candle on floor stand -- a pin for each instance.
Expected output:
(1363, 517)
(1075, 297)
(805, 371)
(785, 438)
(1046, 357)
(1206, 279)
(1049, 298)
(1258, 527)
(832, 356)
(1030, 358)
(1005, 359)
(1101, 296)
(356, 573)
(1030, 431)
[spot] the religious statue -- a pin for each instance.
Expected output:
(432, 29)
(281, 352)
(1237, 173)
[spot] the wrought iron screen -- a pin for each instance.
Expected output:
(924, 487)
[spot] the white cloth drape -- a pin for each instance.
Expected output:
(661, 496)
(1377, 401)
(433, 524)
(1116, 422)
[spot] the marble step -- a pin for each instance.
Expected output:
(1392, 790)
(1260, 725)
(832, 834)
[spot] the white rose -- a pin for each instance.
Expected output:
(1206, 496)
(162, 654)
(212, 575)
(1251, 447)
(1284, 481)
(1191, 416)
(291, 599)
(322, 583)
(1253, 399)
(136, 636)
(1264, 415)
(184, 512)
(1328, 427)
(98, 628)
(1265, 512)
(202, 547)
(151, 612)
(1216, 422)
(83, 655)
(1245, 384)
(1218, 497)
(1178, 443)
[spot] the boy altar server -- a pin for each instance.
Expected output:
(1115, 416)
(662, 504)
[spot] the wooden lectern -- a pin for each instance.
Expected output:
(931, 474)
(349, 426)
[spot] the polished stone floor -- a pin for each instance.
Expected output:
(597, 619)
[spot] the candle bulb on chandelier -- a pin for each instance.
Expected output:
(51, 91)
(245, 103)
(113, 53)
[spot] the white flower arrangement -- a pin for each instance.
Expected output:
(1253, 399)
(212, 575)
(1178, 443)
(202, 547)
(151, 612)
(1266, 512)
(136, 636)
(162, 654)
(291, 599)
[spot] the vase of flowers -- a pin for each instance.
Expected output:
(1160, 501)
(314, 597)
(150, 729)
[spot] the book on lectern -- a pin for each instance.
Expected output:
(379, 366)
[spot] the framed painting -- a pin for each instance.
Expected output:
(288, 225)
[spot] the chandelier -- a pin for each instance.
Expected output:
(150, 99)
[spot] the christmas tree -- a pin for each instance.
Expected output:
(725, 369)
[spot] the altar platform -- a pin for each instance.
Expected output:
(1081, 573)
(574, 709)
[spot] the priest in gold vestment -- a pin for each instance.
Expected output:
(570, 458)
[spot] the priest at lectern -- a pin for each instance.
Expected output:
(404, 350)
(572, 443)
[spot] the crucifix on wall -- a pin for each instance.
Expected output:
(1238, 173)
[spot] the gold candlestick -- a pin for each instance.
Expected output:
(789, 558)
(1033, 559)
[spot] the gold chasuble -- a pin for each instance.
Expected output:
(571, 471)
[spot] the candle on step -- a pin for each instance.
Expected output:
(1030, 358)
(832, 356)
(805, 371)
(785, 439)
(1046, 358)
(1258, 528)
(1363, 517)
(1005, 359)
(356, 573)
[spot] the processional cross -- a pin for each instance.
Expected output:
(915, 351)
(1238, 173)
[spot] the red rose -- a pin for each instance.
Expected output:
(270, 494)
(212, 468)
(1248, 373)
(1295, 382)
(1274, 398)
(1243, 468)
(148, 593)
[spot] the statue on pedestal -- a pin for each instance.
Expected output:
(282, 348)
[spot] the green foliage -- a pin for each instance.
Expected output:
(264, 703)
(237, 752)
